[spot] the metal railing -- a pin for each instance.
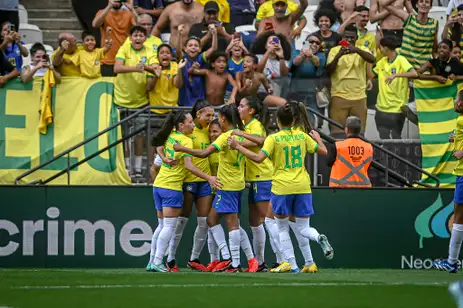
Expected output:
(139, 112)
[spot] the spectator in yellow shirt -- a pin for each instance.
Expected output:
(61, 58)
(360, 18)
(224, 9)
(88, 60)
(152, 42)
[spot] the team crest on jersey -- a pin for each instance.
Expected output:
(394, 71)
(448, 69)
(367, 43)
(155, 47)
(143, 60)
(97, 62)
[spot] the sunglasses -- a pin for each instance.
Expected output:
(314, 42)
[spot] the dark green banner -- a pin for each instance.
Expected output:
(112, 227)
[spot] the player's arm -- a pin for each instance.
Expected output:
(321, 148)
(214, 181)
(255, 157)
(195, 152)
(256, 140)
(162, 22)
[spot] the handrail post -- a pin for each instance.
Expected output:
(69, 169)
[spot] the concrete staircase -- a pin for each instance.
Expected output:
(52, 17)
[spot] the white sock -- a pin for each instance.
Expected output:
(234, 239)
(164, 238)
(212, 246)
(176, 238)
(455, 243)
(274, 235)
(258, 242)
(303, 241)
(285, 241)
(138, 160)
(154, 239)
(245, 244)
(219, 237)
(199, 239)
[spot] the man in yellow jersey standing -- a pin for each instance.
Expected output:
(452, 264)
(348, 69)
(131, 66)
(61, 58)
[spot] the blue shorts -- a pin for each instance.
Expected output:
(260, 191)
(458, 197)
(227, 201)
(167, 198)
(198, 189)
(299, 205)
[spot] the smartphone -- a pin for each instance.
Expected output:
(344, 43)
(11, 28)
(276, 40)
(269, 26)
(305, 44)
(46, 58)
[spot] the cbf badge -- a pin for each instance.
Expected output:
(394, 71)
(143, 60)
(155, 47)
(447, 69)
(97, 62)
(367, 43)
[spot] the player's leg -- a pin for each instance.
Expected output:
(281, 265)
(213, 221)
(214, 251)
(203, 206)
(172, 202)
(304, 247)
(302, 212)
(182, 220)
(258, 201)
(245, 245)
(154, 238)
(229, 206)
(282, 206)
(452, 264)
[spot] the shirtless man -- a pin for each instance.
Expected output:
(282, 23)
(216, 80)
(251, 83)
(390, 25)
(185, 12)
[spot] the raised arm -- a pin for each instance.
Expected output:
(98, 21)
(213, 48)
(366, 55)
(234, 91)
(179, 42)
(300, 11)
(178, 80)
(321, 149)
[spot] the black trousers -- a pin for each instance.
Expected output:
(389, 125)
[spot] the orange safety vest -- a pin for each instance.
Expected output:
(353, 159)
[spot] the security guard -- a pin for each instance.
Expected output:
(351, 158)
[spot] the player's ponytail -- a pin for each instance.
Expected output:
(300, 115)
(285, 115)
(200, 104)
(173, 119)
(232, 115)
(261, 111)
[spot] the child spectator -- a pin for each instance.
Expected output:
(40, 62)
(441, 68)
(166, 80)
(193, 87)
(89, 59)
(456, 52)
(393, 72)
(235, 52)
(453, 28)
(216, 80)
(12, 46)
(253, 83)
(273, 52)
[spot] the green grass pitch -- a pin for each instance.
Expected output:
(137, 288)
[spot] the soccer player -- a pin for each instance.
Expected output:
(167, 191)
(227, 201)
(451, 264)
(287, 150)
(195, 189)
(256, 117)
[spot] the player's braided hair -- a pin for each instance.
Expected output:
(261, 112)
(173, 120)
(232, 115)
(300, 116)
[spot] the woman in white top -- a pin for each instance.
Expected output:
(40, 62)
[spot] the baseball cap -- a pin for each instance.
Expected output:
(276, 1)
(211, 6)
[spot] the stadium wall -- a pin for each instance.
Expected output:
(102, 226)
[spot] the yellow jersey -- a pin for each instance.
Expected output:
(254, 171)
(287, 150)
(200, 138)
(67, 67)
(392, 97)
(130, 88)
(266, 10)
(172, 177)
(152, 42)
(367, 40)
(89, 62)
(165, 93)
(214, 163)
(231, 164)
(458, 141)
(349, 79)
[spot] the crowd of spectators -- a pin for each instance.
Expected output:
(205, 58)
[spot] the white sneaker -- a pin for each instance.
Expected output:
(325, 245)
